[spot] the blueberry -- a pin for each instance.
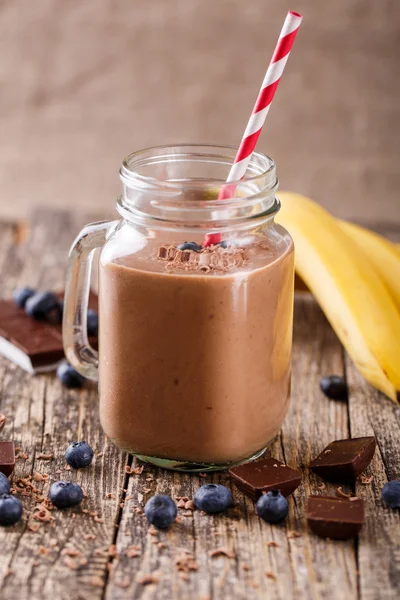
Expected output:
(79, 455)
(21, 295)
(92, 322)
(213, 498)
(189, 246)
(4, 484)
(69, 376)
(160, 511)
(334, 387)
(40, 305)
(391, 494)
(223, 244)
(65, 494)
(272, 507)
(10, 509)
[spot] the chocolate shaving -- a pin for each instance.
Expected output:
(146, 579)
(2, 422)
(97, 519)
(89, 536)
(293, 534)
(40, 476)
(341, 494)
(270, 575)
(185, 562)
(22, 456)
(212, 258)
(134, 470)
(272, 544)
(222, 552)
(189, 505)
(44, 456)
(123, 583)
(366, 479)
(133, 551)
(71, 552)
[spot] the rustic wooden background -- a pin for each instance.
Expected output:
(85, 82)
(106, 551)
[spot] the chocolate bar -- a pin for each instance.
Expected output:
(335, 518)
(7, 458)
(36, 346)
(261, 476)
(344, 460)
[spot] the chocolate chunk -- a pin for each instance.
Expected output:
(261, 476)
(335, 518)
(7, 458)
(344, 460)
(35, 346)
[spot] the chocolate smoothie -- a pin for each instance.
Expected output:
(195, 361)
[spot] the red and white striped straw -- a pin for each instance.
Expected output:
(260, 110)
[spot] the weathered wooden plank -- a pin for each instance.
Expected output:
(371, 413)
(43, 417)
(303, 567)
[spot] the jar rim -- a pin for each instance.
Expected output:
(260, 166)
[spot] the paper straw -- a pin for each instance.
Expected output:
(260, 110)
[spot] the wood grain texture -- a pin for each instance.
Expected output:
(263, 562)
(43, 417)
(371, 413)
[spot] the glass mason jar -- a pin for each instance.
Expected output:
(194, 342)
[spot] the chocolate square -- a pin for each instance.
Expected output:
(344, 460)
(335, 518)
(33, 345)
(7, 457)
(261, 476)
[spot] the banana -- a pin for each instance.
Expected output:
(349, 290)
(382, 254)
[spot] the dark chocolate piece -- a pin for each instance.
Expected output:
(344, 460)
(33, 345)
(335, 518)
(7, 457)
(261, 476)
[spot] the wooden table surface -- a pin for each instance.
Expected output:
(106, 550)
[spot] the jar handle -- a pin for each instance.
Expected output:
(76, 344)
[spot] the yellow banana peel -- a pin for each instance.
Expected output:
(383, 255)
(349, 289)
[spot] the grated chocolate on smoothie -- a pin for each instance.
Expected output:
(212, 258)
